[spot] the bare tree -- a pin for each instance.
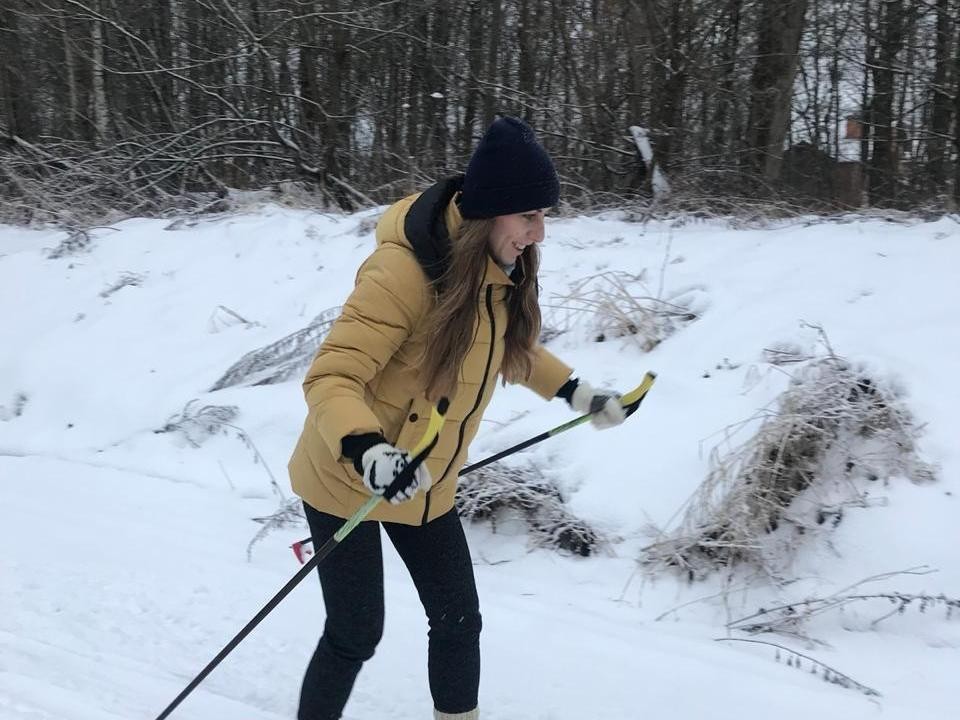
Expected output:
(771, 85)
(956, 119)
(16, 98)
(883, 55)
(940, 114)
(665, 23)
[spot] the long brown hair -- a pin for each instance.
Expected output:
(452, 324)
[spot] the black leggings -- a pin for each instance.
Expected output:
(438, 560)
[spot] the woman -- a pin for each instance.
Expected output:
(445, 304)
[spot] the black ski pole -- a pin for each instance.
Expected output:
(631, 401)
(419, 454)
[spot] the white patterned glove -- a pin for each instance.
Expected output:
(383, 463)
(603, 405)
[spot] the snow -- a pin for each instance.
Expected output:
(123, 550)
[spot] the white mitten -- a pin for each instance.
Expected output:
(603, 405)
(383, 463)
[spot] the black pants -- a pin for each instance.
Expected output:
(437, 557)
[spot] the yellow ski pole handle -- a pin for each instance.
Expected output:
(437, 416)
(639, 392)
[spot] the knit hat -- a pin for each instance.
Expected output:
(509, 172)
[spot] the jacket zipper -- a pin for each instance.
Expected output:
(476, 404)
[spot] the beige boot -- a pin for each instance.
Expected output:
(469, 715)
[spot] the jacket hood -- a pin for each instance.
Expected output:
(427, 225)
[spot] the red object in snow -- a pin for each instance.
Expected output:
(301, 550)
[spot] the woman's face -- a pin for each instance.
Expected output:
(512, 234)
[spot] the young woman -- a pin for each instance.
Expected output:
(445, 304)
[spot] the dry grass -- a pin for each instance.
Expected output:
(835, 433)
(286, 358)
(617, 305)
(498, 489)
(792, 618)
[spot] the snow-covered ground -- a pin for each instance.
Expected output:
(123, 564)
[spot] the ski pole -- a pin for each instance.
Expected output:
(631, 401)
(419, 454)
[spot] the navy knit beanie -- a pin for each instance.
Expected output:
(509, 173)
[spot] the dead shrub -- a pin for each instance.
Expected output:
(835, 432)
(491, 492)
(620, 305)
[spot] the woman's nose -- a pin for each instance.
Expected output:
(538, 230)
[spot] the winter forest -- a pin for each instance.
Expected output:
(803, 104)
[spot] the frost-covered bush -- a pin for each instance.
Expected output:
(77, 241)
(279, 361)
(223, 318)
(619, 305)
(126, 279)
(497, 490)
(196, 423)
(835, 434)
(289, 514)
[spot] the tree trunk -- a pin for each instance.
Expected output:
(336, 137)
(492, 75)
(771, 85)
(666, 32)
(637, 64)
(956, 116)
(867, 118)
(724, 119)
(16, 85)
(163, 43)
(570, 78)
(438, 133)
(100, 109)
(475, 70)
(73, 92)
(883, 158)
(419, 61)
(310, 100)
(527, 31)
(936, 170)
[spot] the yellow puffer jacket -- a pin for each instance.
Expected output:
(365, 379)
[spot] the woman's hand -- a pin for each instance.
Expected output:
(383, 463)
(603, 405)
